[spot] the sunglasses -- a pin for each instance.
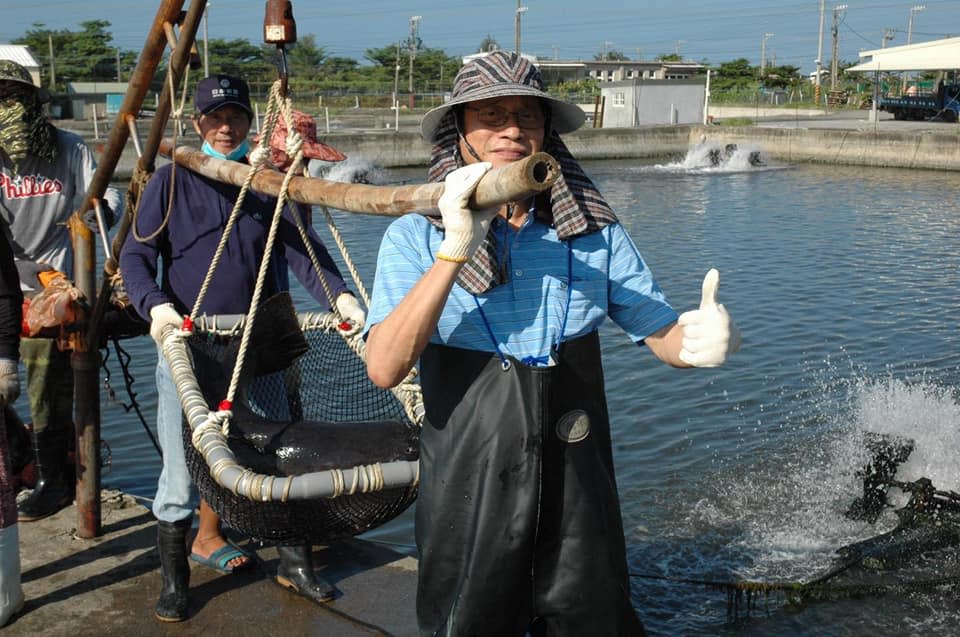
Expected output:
(497, 116)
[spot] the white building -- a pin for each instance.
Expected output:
(640, 102)
(21, 54)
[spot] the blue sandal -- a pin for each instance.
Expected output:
(220, 559)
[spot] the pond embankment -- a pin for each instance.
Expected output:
(894, 149)
(930, 149)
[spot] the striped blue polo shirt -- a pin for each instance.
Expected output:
(524, 317)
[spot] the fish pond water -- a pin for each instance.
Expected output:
(845, 284)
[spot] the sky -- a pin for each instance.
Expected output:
(701, 30)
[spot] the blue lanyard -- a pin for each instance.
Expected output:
(534, 361)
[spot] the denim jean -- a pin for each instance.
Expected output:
(176, 496)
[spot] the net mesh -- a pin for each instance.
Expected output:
(323, 400)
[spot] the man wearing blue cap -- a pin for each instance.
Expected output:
(184, 239)
(518, 520)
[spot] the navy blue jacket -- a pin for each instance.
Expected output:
(185, 247)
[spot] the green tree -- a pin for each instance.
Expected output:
(488, 44)
(238, 57)
(611, 55)
(669, 57)
(340, 68)
(79, 56)
(386, 56)
(305, 56)
(735, 75)
(433, 69)
(304, 59)
(784, 76)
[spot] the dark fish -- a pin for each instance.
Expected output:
(297, 446)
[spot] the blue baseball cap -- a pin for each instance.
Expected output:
(219, 90)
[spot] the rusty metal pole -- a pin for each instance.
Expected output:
(86, 363)
(179, 60)
(85, 358)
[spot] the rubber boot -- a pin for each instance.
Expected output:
(172, 606)
(53, 490)
(11, 594)
(296, 573)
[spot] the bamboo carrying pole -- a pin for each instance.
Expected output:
(515, 181)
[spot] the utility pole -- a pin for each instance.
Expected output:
(763, 52)
(605, 55)
(396, 79)
(874, 116)
(516, 27)
(412, 45)
(914, 9)
(888, 34)
(206, 41)
(676, 48)
(835, 61)
(819, 60)
(53, 68)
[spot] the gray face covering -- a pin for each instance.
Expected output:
(24, 129)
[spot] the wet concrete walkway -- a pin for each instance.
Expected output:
(109, 585)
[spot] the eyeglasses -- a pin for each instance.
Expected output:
(496, 116)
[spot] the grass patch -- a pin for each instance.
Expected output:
(736, 121)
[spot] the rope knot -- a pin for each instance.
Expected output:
(218, 420)
(259, 156)
(294, 142)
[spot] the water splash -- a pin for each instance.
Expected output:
(352, 170)
(712, 157)
(780, 517)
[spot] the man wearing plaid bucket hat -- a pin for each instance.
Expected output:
(518, 522)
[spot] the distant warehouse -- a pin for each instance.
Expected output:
(640, 102)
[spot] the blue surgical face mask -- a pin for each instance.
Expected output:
(236, 154)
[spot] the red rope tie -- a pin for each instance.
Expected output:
(225, 405)
(187, 324)
(345, 326)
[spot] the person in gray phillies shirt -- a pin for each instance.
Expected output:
(44, 171)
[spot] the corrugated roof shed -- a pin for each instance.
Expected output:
(935, 55)
(96, 88)
(21, 54)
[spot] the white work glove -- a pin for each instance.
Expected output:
(349, 308)
(709, 334)
(9, 381)
(464, 229)
(160, 317)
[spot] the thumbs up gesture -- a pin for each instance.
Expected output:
(709, 334)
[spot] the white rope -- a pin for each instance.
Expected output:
(257, 160)
(342, 246)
